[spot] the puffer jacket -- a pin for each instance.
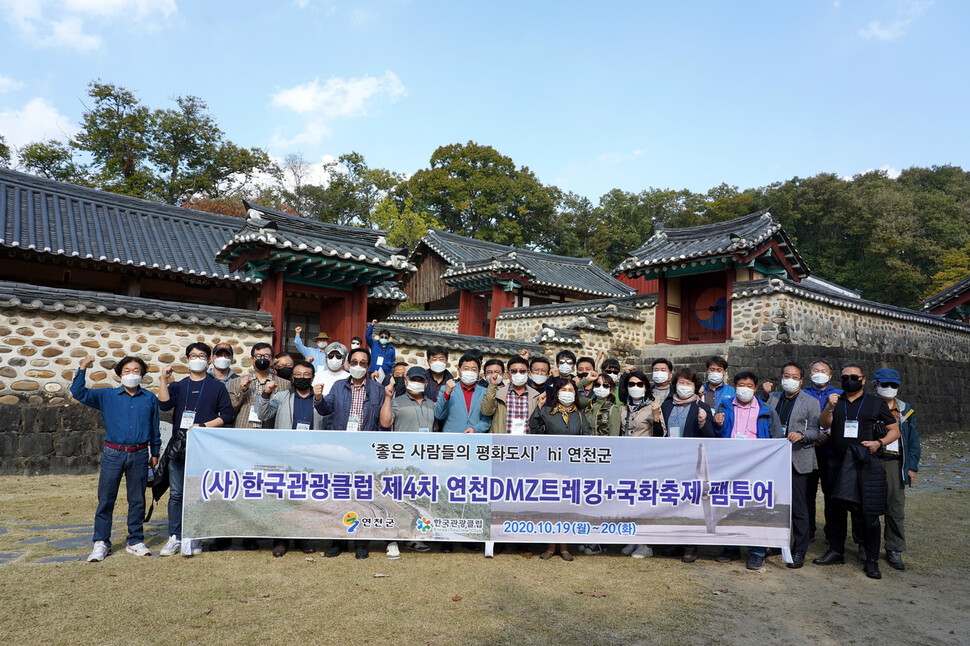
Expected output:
(862, 481)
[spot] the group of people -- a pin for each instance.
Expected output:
(862, 447)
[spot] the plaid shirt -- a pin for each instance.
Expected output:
(357, 395)
(243, 401)
(518, 407)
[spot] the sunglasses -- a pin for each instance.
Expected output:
(634, 383)
(852, 378)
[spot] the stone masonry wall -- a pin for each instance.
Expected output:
(446, 325)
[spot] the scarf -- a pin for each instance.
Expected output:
(682, 402)
(564, 411)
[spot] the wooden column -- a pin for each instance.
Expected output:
(272, 299)
(660, 324)
(500, 300)
(727, 299)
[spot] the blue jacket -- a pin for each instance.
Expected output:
(339, 400)
(319, 356)
(720, 393)
(768, 424)
(456, 418)
(909, 436)
(377, 350)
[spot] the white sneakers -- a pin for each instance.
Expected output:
(642, 552)
(138, 549)
(172, 547)
(417, 546)
(100, 551)
(628, 550)
(191, 548)
(392, 551)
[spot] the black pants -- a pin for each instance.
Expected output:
(799, 513)
(811, 494)
(866, 527)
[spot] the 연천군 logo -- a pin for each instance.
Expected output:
(351, 521)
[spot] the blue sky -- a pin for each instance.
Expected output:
(590, 96)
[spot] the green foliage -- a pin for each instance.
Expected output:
(4, 153)
(954, 266)
(404, 228)
(53, 160)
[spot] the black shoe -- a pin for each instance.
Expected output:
(728, 554)
(690, 555)
(831, 557)
(279, 549)
(361, 552)
(305, 546)
(447, 548)
(220, 544)
(334, 550)
(872, 569)
(796, 562)
(473, 547)
(895, 560)
(250, 544)
(755, 562)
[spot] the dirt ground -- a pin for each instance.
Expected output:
(249, 597)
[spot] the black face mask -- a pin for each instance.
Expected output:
(285, 373)
(261, 364)
(583, 375)
(302, 383)
(851, 386)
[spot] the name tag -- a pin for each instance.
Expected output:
(740, 437)
(851, 429)
(518, 427)
(674, 431)
(353, 424)
(424, 430)
(301, 426)
(253, 417)
(188, 419)
(784, 429)
(380, 361)
(893, 446)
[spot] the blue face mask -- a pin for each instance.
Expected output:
(385, 341)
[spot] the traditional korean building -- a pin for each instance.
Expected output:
(481, 279)
(952, 303)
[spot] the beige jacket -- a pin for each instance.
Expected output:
(494, 405)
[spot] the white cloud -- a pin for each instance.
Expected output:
(907, 11)
(619, 157)
(891, 173)
(335, 98)
(36, 121)
(62, 23)
(8, 84)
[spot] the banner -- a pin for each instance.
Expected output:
(483, 487)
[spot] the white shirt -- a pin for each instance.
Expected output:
(328, 378)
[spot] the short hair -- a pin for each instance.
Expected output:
(357, 339)
(383, 332)
(494, 362)
(517, 361)
(792, 364)
(686, 372)
(304, 363)
(610, 363)
(198, 345)
(745, 374)
(718, 361)
(558, 385)
(361, 349)
(126, 360)
(401, 363)
(470, 356)
(436, 349)
(852, 364)
(539, 359)
(624, 387)
(666, 362)
(823, 362)
(565, 354)
(259, 346)
(280, 355)
(590, 360)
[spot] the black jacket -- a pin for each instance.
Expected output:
(862, 481)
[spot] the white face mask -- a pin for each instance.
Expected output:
(468, 377)
(601, 391)
(519, 378)
(566, 398)
(745, 394)
(437, 367)
(820, 379)
(715, 377)
(335, 364)
(198, 365)
(886, 393)
(659, 376)
(415, 386)
(684, 391)
(636, 392)
(222, 363)
(322, 345)
(790, 385)
(354, 345)
(538, 380)
(131, 381)
(357, 371)
(565, 369)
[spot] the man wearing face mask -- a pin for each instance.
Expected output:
(131, 446)
(317, 354)
(565, 368)
(383, 354)
(283, 365)
(198, 400)
(585, 375)
(356, 342)
(539, 370)
(336, 354)
(398, 378)
(820, 388)
(438, 375)
(510, 405)
(798, 413)
(715, 389)
(461, 411)
(222, 364)
(853, 418)
(901, 461)
(662, 371)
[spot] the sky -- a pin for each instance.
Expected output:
(589, 96)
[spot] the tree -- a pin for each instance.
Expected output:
(53, 160)
(475, 191)
(405, 228)
(353, 192)
(4, 153)
(955, 267)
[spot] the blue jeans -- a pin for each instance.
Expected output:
(176, 482)
(134, 466)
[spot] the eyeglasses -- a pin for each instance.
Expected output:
(335, 355)
(889, 385)
(198, 355)
(566, 361)
(266, 355)
(357, 363)
(852, 377)
(612, 372)
(518, 372)
(634, 383)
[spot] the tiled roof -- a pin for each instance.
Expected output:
(773, 285)
(429, 315)
(550, 334)
(71, 301)
(731, 238)
(625, 307)
(467, 256)
(953, 291)
(267, 227)
(51, 217)
(459, 342)
(387, 291)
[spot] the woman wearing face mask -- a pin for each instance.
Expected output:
(602, 413)
(639, 413)
(558, 414)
